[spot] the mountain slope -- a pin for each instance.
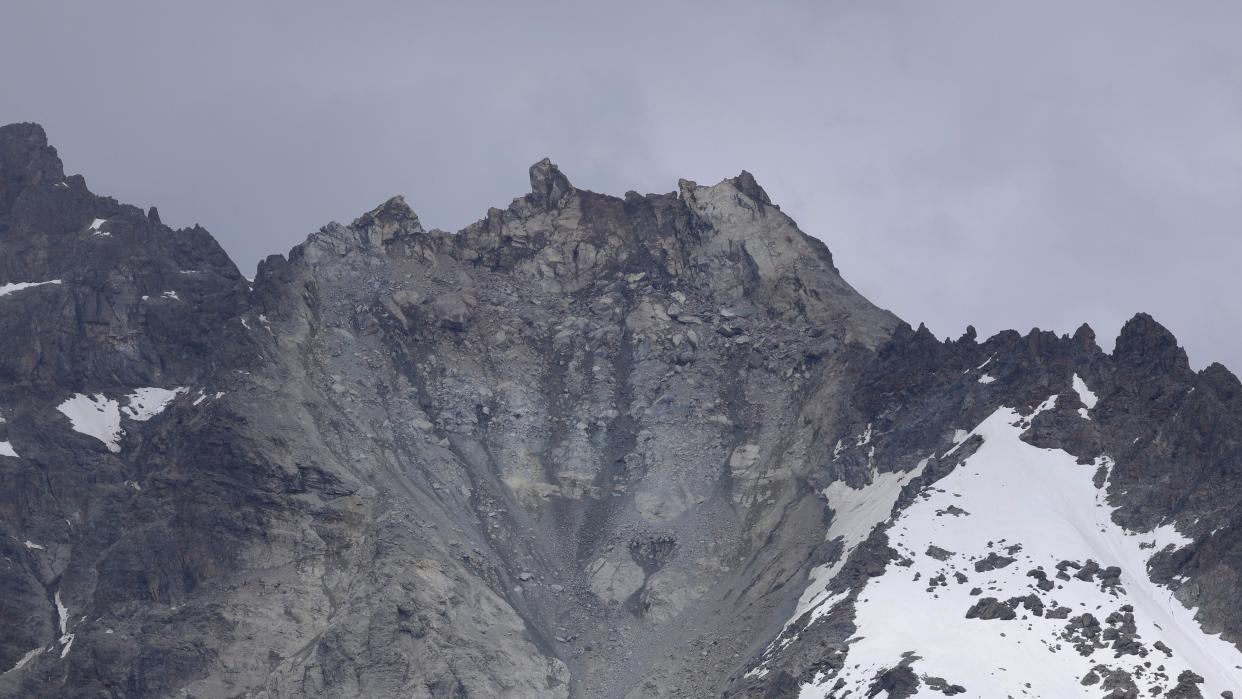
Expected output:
(588, 446)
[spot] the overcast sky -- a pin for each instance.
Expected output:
(1002, 164)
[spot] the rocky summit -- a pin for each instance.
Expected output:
(589, 446)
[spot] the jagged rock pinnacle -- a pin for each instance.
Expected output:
(25, 159)
(547, 183)
(1085, 336)
(1145, 342)
(746, 184)
(388, 220)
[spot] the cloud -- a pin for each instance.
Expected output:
(1001, 164)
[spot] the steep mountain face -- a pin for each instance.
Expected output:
(589, 446)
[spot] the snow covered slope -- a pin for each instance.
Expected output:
(1025, 588)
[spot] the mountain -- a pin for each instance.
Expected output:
(589, 446)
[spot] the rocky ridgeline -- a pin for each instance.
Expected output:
(588, 446)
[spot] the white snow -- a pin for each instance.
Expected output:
(865, 437)
(1043, 500)
(95, 225)
(21, 663)
(100, 417)
(1050, 403)
(171, 295)
(145, 403)
(6, 449)
(759, 672)
(1085, 395)
(855, 512)
(96, 416)
(32, 545)
(6, 289)
(62, 614)
(986, 362)
(986, 379)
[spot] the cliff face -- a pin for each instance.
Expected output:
(588, 446)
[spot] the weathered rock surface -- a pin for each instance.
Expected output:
(579, 448)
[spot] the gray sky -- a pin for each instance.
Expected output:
(995, 163)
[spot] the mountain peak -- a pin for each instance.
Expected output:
(547, 183)
(25, 159)
(746, 184)
(388, 220)
(1145, 342)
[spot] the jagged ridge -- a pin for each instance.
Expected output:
(580, 447)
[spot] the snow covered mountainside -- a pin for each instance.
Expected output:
(589, 446)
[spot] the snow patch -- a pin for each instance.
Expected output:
(100, 417)
(986, 379)
(95, 416)
(6, 449)
(1050, 403)
(21, 663)
(1085, 395)
(145, 403)
(62, 614)
(865, 437)
(32, 545)
(6, 289)
(838, 448)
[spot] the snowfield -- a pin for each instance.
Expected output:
(96, 416)
(1029, 593)
(100, 417)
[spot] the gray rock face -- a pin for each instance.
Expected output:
(578, 449)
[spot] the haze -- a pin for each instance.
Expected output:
(998, 164)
